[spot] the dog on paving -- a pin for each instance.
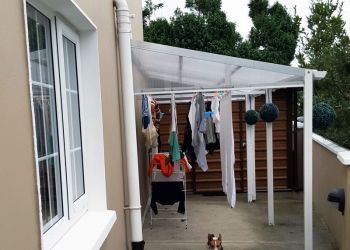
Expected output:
(215, 243)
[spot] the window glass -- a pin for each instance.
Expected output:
(72, 94)
(44, 103)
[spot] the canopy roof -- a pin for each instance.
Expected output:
(159, 69)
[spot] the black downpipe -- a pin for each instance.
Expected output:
(140, 245)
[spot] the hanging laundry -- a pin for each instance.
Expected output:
(227, 150)
(156, 117)
(165, 163)
(173, 138)
(192, 117)
(168, 193)
(187, 142)
(149, 131)
(210, 130)
(198, 141)
(208, 114)
(215, 106)
(145, 112)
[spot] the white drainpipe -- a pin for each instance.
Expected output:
(124, 36)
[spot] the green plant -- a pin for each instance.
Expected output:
(323, 116)
(269, 112)
(251, 117)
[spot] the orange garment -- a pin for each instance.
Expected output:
(165, 164)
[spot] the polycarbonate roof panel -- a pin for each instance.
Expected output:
(160, 68)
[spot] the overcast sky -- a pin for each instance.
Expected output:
(237, 11)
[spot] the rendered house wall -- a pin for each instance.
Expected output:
(18, 191)
(330, 173)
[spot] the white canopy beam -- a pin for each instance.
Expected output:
(269, 152)
(250, 138)
(166, 91)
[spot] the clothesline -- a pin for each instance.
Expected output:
(235, 91)
(167, 101)
(186, 97)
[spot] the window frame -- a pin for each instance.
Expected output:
(78, 207)
(72, 211)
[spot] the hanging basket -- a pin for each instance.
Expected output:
(269, 112)
(323, 116)
(251, 117)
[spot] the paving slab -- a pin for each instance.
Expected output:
(242, 227)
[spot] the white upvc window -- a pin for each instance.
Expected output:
(55, 78)
(63, 61)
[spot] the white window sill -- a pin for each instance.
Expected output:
(89, 232)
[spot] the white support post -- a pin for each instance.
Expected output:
(308, 93)
(250, 138)
(269, 149)
(252, 104)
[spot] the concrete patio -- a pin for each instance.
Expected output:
(243, 227)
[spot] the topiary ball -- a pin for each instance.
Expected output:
(323, 116)
(269, 112)
(251, 117)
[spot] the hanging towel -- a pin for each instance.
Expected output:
(227, 150)
(173, 139)
(174, 146)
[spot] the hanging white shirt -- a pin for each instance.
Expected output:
(192, 115)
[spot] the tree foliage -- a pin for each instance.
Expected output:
(325, 46)
(274, 35)
(149, 10)
(204, 26)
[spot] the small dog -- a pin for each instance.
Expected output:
(215, 243)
